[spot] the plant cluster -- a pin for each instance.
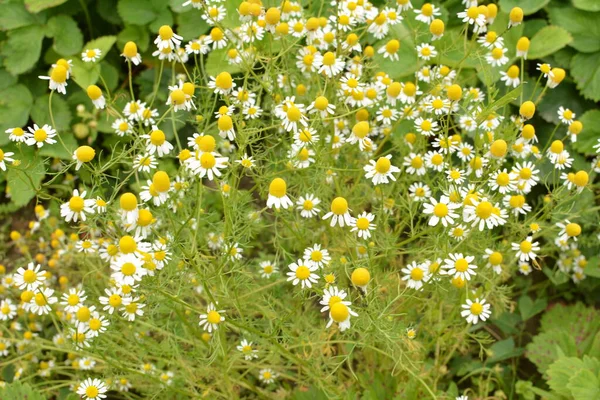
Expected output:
(296, 199)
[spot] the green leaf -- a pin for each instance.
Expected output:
(561, 371)
(106, 9)
(23, 183)
(15, 104)
(216, 62)
(35, 6)
(582, 25)
(6, 79)
(545, 348)
(587, 5)
(68, 38)
(134, 33)
(60, 110)
(190, 25)
(110, 75)
(528, 308)
(23, 48)
(584, 385)
(547, 41)
(588, 137)
(585, 69)
(408, 62)
(555, 98)
(18, 390)
(14, 15)
(103, 43)
(85, 74)
(504, 350)
(164, 17)
(528, 6)
(136, 12)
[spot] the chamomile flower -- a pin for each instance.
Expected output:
(511, 76)
(484, 214)
(302, 272)
(495, 259)
(321, 106)
(91, 55)
(565, 115)
(246, 348)
(381, 171)
(212, 319)
(30, 278)
(426, 51)
(7, 312)
(5, 157)
(475, 311)
(419, 191)
(128, 269)
(317, 256)
(441, 211)
(40, 136)
(266, 375)
(129, 208)
(460, 266)
(339, 310)
(130, 52)
(415, 275)
(331, 65)
(114, 300)
(41, 301)
(526, 250)
(92, 389)
(17, 135)
(156, 142)
(267, 268)
(77, 207)
(497, 57)
(122, 127)
(390, 50)
(340, 213)
(307, 205)
(363, 225)
(57, 79)
(145, 162)
(278, 197)
(222, 84)
(427, 13)
(167, 39)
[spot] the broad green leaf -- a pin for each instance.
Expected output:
(134, 33)
(528, 308)
(587, 5)
(533, 25)
(553, 99)
(216, 62)
(136, 12)
(35, 6)
(528, 6)
(14, 15)
(164, 17)
(57, 150)
(503, 350)
(23, 48)
(589, 136)
(585, 69)
(583, 25)
(561, 371)
(6, 79)
(68, 38)
(110, 75)
(19, 390)
(103, 43)
(85, 74)
(545, 348)
(584, 385)
(190, 25)
(407, 62)
(547, 41)
(24, 181)
(40, 113)
(106, 9)
(15, 104)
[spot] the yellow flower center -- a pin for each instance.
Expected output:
(302, 272)
(461, 265)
